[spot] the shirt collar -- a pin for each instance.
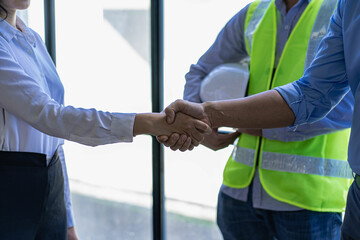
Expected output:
(9, 32)
(280, 4)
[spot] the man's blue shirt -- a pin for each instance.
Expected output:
(230, 47)
(334, 71)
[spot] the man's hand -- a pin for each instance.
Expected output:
(155, 124)
(217, 141)
(180, 141)
(191, 127)
(71, 234)
(187, 133)
(195, 110)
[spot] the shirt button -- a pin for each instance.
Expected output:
(287, 27)
(29, 51)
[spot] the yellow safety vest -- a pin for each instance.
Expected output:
(312, 174)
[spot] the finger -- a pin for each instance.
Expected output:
(162, 139)
(196, 143)
(179, 143)
(172, 109)
(227, 139)
(170, 115)
(193, 142)
(173, 139)
(191, 147)
(197, 136)
(195, 110)
(235, 134)
(203, 127)
(229, 135)
(186, 145)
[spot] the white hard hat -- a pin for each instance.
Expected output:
(226, 81)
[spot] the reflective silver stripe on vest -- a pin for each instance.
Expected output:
(303, 164)
(244, 155)
(255, 20)
(319, 29)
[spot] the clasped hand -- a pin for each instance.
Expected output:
(209, 138)
(185, 130)
(190, 125)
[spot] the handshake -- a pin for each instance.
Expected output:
(189, 124)
(182, 125)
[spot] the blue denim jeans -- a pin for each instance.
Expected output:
(351, 227)
(238, 220)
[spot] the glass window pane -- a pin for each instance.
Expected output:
(103, 61)
(192, 179)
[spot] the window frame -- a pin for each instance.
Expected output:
(157, 70)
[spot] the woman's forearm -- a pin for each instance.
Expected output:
(150, 124)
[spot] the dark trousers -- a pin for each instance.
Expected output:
(32, 205)
(350, 229)
(240, 220)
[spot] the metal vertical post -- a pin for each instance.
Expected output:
(157, 106)
(49, 19)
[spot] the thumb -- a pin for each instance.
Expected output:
(162, 139)
(172, 109)
(170, 114)
(203, 127)
(194, 110)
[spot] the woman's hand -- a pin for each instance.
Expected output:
(214, 141)
(71, 234)
(177, 142)
(187, 127)
(191, 127)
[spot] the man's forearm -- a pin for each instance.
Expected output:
(263, 110)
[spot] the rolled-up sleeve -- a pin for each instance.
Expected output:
(339, 118)
(325, 82)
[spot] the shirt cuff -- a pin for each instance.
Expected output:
(70, 217)
(292, 95)
(122, 126)
(286, 134)
(274, 133)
